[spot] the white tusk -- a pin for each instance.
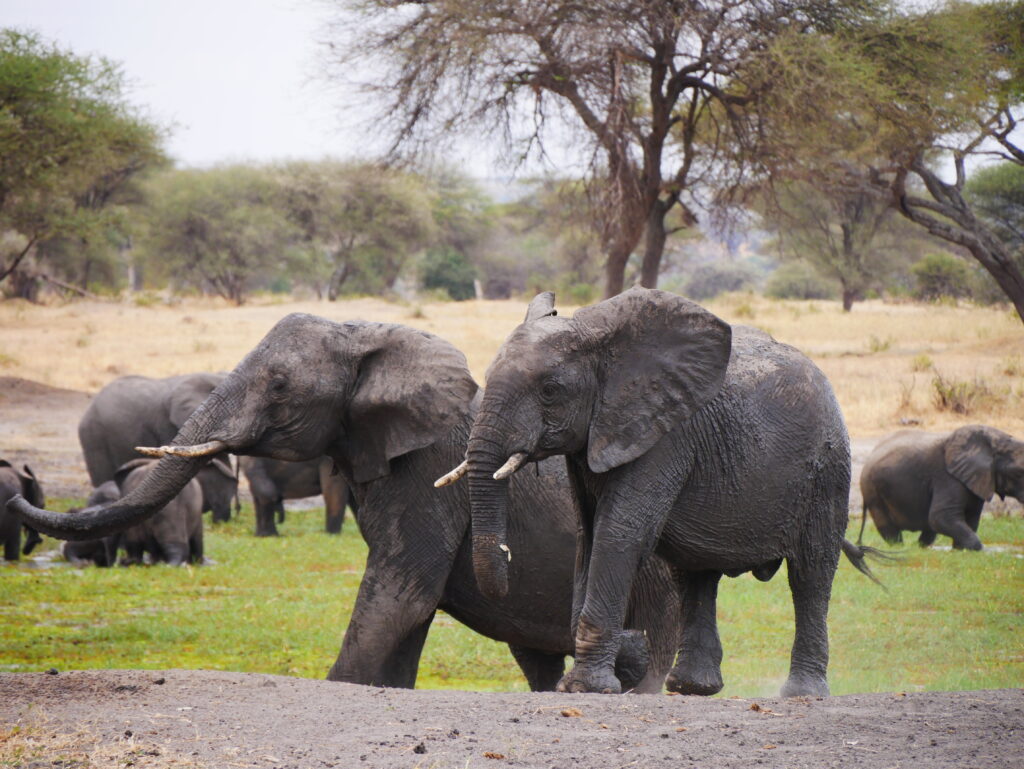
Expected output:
(514, 463)
(149, 451)
(199, 450)
(453, 476)
(507, 551)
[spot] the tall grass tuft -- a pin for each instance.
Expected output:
(961, 396)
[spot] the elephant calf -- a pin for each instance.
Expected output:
(14, 481)
(102, 552)
(175, 533)
(271, 481)
(938, 483)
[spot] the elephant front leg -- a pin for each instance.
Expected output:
(698, 669)
(543, 670)
(385, 636)
(952, 520)
(623, 533)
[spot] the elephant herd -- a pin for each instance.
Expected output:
(668, 449)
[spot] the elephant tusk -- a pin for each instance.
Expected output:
(514, 463)
(453, 476)
(507, 551)
(199, 450)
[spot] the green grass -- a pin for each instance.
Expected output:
(949, 620)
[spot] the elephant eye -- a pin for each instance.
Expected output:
(550, 389)
(278, 385)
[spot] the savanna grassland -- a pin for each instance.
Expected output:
(947, 620)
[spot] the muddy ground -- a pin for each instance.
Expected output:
(215, 719)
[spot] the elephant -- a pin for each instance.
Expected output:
(139, 411)
(938, 483)
(716, 447)
(392, 407)
(13, 482)
(174, 534)
(272, 481)
(102, 552)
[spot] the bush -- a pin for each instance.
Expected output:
(710, 280)
(449, 270)
(796, 280)
(941, 275)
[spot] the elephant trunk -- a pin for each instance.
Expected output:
(489, 502)
(160, 486)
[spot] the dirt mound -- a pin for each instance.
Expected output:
(206, 718)
(15, 388)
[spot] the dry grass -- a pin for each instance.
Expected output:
(874, 356)
(36, 743)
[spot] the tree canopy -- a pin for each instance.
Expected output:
(69, 145)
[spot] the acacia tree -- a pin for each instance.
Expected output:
(651, 86)
(898, 105)
(69, 143)
(359, 223)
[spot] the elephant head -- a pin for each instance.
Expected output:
(604, 386)
(987, 461)
(363, 393)
(33, 492)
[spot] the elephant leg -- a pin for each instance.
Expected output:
(400, 668)
(624, 531)
(543, 670)
(885, 524)
(698, 668)
(391, 605)
(175, 553)
(810, 581)
(195, 547)
(12, 545)
(927, 538)
(265, 517)
(951, 520)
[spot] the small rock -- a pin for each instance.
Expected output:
(572, 712)
(421, 748)
(52, 672)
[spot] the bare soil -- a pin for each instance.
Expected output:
(206, 718)
(184, 718)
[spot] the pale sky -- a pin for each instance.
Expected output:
(236, 79)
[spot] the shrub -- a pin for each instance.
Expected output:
(960, 396)
(710, 280)
(449, 270)
(941, 275)
(921, 362)
(796, 280)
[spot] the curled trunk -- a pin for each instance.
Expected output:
(160, 486)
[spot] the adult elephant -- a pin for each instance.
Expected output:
(938, 483)
(392, 407)
(271, 481)
(139, 411)
(715, 447)
(13, 482)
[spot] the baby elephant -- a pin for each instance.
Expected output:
(175, 533)
(937, 484)
(14, 481)
(102, 552)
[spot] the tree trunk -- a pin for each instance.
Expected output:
(338, 278)
(654, 245)
(849, 295)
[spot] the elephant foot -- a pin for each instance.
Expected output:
(971, 544)
(805, 686)
(689, 679)
(580, 680)
(633, 660)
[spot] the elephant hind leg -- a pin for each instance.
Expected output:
(698, 668)
(927, 538)
(543, 670)
(885, 523)
(810, 581)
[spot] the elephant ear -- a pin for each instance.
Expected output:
(542, 306)
(126, 469)
(189, 394)
(969, 457)
(30, 488)
(661, 357)
(411, 389)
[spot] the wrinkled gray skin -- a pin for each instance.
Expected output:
(392, 406)
(721, 463)
(174, 534)
(938, 483)
(12, 482)
(271, 481)
(138, 411)
(102, 552)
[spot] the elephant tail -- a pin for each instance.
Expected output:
(858, 555)
(863, 520)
